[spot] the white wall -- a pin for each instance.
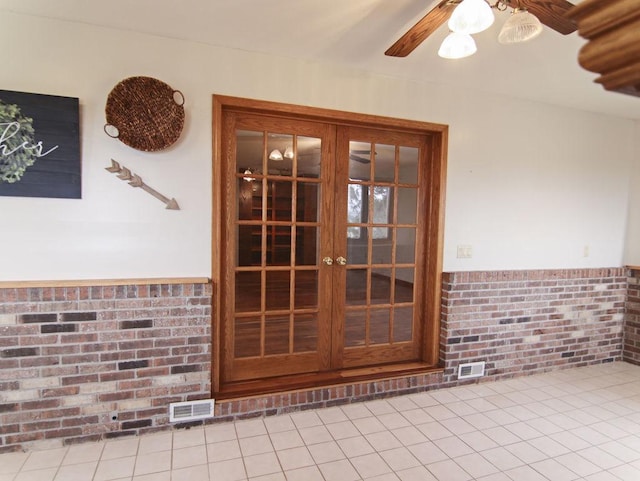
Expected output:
(529, 185)
(632, 251)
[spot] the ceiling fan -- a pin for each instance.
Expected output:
(356, 156)
(549, 12)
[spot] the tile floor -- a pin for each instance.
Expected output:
(575, 424)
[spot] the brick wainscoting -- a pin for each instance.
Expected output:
(70, 357)
(524, 322)
(632, 321)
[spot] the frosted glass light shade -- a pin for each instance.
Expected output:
(288, 153)
(457, 45)
(520, 27)
(275, 155)
(471, 16)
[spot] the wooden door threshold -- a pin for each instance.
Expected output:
(301, 382)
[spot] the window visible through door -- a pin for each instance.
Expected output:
(329, 246)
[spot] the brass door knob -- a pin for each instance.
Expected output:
(328, 261)
(341, 260)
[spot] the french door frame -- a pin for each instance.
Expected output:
(437, 138)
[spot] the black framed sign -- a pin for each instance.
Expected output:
(39, 146)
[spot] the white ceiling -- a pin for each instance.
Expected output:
(356, 33)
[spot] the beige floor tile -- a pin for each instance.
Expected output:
(434, 430)
(186, 457)
(370, 465)
(526, 452)
(427, 452)
(278, 424)
(417, 416)
(419, 473)
(339, 471)
(315, 434)
(552, 469)
(223, 451)
(453, 446)
(255, 445)
(12, 462)
(448, 471)
(295, 458)
(476, 465)
(152, 463)
(250, 427)
(399, 459)
(393, 420)
(578, 464)
(83, 453)
(286, 440)
(525, 473)
(332, 415)
(478, 441)
(185, 438)
(77, 472)
(49, 458)
(192, 473)
(118, 468)
(120, 449)
(383, 440)
(342, 429)
(154, 443)
(368, 425)
(356, 411)
(47, 474)
(306, 419)
(326, 452)
(230, 470)
(357, 446)
(626, 472)
(261, 464)
(164, 476)
(309, 473)
(600, 458)
(216, 433)
(409, 435)
(501, 458)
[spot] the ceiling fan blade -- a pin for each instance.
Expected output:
(421, 30)
(362, 160)
(360, 152)
(550, 12)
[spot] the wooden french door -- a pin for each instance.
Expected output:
(323, 252)
(276, 289)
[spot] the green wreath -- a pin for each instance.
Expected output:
(14, 160)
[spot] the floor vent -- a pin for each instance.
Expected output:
(470, 370)
(191, 410)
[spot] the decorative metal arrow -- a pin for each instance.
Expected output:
(135, 180)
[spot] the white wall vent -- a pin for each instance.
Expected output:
(191, 410)
(470, 370)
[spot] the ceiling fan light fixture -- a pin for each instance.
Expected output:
(288, 153)
(471, 16)
(275, 155)
(457, 45)
(521, 27)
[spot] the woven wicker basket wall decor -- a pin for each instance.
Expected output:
(144, 113)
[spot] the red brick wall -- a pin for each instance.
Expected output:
(523, 322)
(71, 357)
(632, 321)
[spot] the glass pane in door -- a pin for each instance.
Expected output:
(381, 228)
(278, 233)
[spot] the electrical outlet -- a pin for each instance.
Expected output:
(585, 251)
(464, 252)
